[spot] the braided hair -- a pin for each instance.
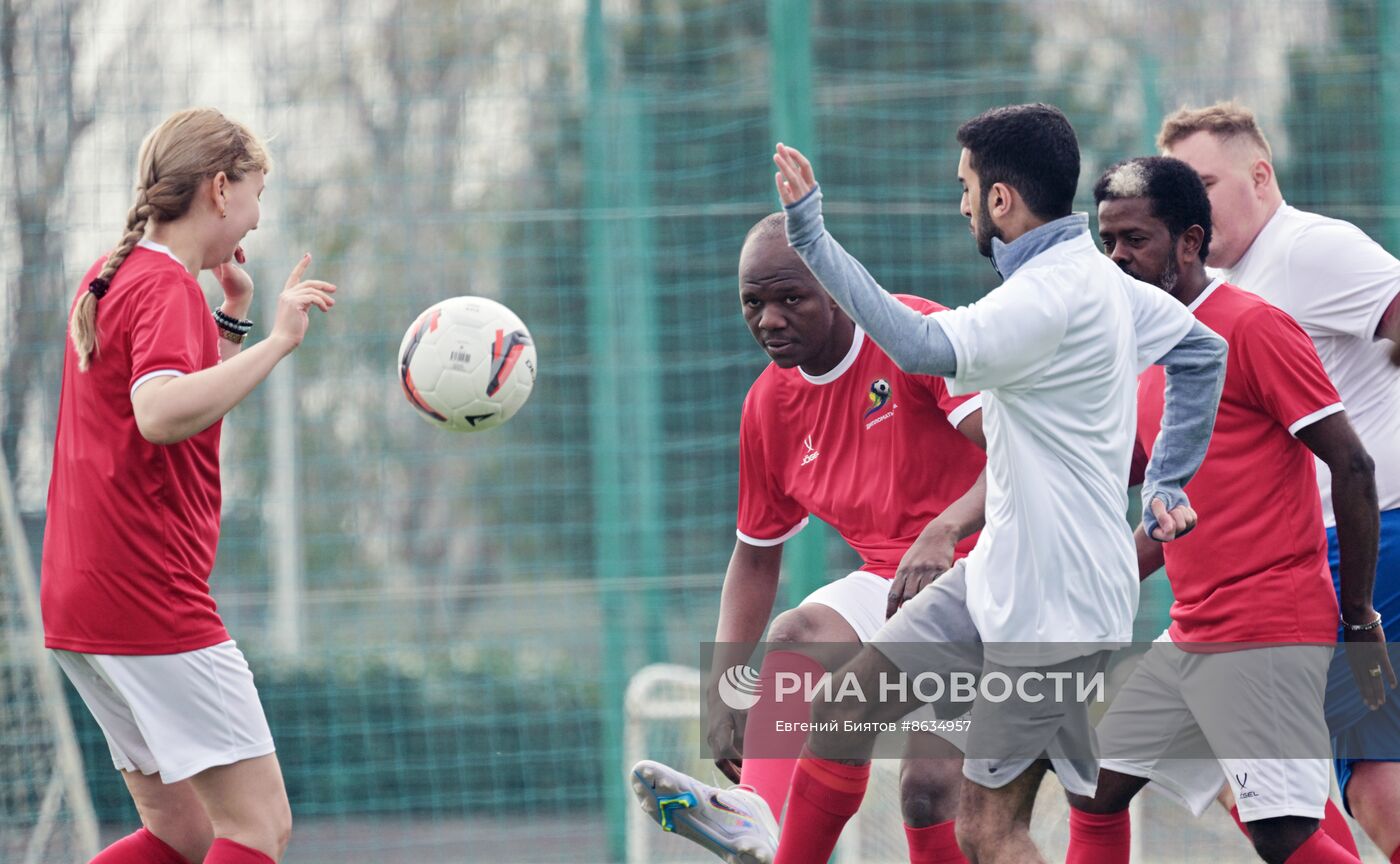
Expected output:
(176, 157)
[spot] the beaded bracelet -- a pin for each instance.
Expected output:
(1361, 628)
(232, 329)
(232, 324)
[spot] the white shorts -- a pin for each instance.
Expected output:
(861, 598)
(176, 714)
(1236, 704)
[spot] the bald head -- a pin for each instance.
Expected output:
(773, 223)
(786, 308)
(766, 250)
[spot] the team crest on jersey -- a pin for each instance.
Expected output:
(879, 400)
(879, 394)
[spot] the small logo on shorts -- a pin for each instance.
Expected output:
(739, 687)
(1245, 793)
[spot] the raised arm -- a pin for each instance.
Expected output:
(915, 342)
(1195, 370)
(171, 409)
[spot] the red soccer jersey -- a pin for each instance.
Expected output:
(1255, 568)
(132, 526)
(872, 451)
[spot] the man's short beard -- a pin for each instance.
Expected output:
(1171, 273)
(986, 229)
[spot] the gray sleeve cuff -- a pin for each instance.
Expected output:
(915, 342)
(1195, 372)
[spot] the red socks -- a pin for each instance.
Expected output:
(226, 851)
(770, 755)
(936, 844)
(1334, 824)
(143, 847)
(824, 796)
(1321, 849)
(1235, 814)
(1099, 838)
(770, 778)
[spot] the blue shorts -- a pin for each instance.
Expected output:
(1358, 733)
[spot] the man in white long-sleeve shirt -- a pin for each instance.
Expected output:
(1051, 585)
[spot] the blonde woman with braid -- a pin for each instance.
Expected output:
(133, 507)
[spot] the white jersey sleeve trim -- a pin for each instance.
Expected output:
(754, 541)
(1305, 422)
(159, 373)
(960, 413)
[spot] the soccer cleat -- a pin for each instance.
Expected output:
(735, 824)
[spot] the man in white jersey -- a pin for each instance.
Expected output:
(1051, 585)
(1344, 290)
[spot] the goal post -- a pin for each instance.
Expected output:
(46, 814)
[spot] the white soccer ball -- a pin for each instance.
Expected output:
(467, 364)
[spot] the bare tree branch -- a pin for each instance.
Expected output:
(47, 114)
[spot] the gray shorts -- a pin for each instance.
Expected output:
(934, 633)
(1189, 722)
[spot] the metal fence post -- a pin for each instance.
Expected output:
(790, 115)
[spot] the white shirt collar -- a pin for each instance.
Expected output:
(847, 362)
(157, 247)
(1201, 298)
